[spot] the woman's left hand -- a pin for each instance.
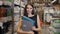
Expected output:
(36, 29)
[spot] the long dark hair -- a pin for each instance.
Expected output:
(25, 11)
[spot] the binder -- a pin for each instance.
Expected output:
(27, 23)
(28, 19)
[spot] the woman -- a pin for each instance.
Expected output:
(29, 12)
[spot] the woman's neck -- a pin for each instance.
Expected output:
(30, 15)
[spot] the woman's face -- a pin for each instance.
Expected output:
(29, 9)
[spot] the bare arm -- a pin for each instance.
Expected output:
(20, 31)
(36, 29)
(38, 24)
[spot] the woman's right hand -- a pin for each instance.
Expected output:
(25, 32)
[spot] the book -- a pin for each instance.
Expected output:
(27, 23)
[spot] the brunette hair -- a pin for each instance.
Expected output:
(25, 11)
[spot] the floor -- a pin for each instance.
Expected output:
(45, 29)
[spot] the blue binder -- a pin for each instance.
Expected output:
(28, 19)
(27, 23)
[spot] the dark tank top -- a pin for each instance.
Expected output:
(35, 24)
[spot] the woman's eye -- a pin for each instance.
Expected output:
(30, 8)
(27, 8)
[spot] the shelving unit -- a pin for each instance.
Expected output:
(48, 11)
(55, 26)
(6, 14)
(51, 16)
(18, 9)
(18, 12)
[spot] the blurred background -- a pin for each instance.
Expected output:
(12, 10)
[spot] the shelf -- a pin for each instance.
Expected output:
(16, 9)
(22, 4)
(55, 26)
(1, 2)
(7, 3)
(16, 17)
(5, 19)
(9, 0)
(50, 32)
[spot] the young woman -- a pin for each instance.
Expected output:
(29, 12)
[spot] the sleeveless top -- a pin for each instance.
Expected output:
(35, 24)
(35, 19)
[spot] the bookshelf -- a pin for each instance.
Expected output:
(6, 16)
